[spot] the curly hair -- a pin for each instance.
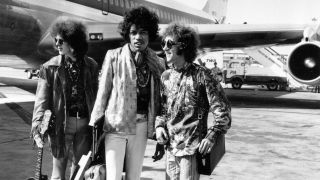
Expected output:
(142, 18)
(187, 36)
(73, 32)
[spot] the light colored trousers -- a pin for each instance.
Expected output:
(184, 167)
(78, 143)
(125, 152)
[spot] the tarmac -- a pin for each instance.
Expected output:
(274, 135)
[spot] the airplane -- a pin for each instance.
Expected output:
(24, 31)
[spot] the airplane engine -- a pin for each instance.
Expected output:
(304, 63)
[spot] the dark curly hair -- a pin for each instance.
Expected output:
(142, 18)
(73, 32)
(187, 36)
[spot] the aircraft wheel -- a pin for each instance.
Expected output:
(272, 86)
(236, 84)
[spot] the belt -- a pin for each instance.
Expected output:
(77, 114)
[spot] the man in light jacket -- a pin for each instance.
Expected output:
(128, 97)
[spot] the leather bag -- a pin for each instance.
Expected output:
(207, 163)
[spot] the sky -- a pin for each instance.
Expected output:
(273, 11)
(267, 11)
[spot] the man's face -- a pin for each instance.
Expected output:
(62, 46)
(139, 38)
(170, 47)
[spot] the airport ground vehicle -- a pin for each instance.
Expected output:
(239, 72)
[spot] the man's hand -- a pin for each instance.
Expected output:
(95, 121)
(205, 146)
(161, 135)
(38, 141)
(159, 152)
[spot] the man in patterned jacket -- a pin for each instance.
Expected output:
(179, 124)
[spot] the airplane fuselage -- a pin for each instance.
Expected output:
(24, 24)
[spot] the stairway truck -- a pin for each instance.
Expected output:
(239, 72)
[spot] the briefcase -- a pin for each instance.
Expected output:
(207, 163)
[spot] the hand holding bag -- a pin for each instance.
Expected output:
(207, 163)
(97, 169)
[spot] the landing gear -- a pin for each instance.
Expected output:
(31, 73)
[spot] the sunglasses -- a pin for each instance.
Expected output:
(169, 43)
(58, 41)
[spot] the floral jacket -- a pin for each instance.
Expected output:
(180, 112)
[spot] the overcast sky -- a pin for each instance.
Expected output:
(267, 11)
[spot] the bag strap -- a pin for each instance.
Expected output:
(199, 109)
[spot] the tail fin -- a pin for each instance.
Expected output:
(216, 8)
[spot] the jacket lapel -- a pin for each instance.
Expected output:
(62, 75)
(86, 72)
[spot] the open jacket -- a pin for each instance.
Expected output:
(51, 94)
(117, 94)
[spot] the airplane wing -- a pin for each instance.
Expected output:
(234, 36)
(213, 36)
(104, 36)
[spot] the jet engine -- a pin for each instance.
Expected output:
(304, 62)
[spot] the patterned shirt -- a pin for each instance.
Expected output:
(76, 102)
(143, 82)
(179, 113)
